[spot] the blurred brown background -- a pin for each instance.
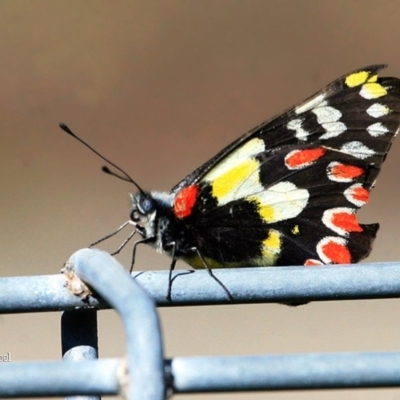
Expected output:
(160, 87)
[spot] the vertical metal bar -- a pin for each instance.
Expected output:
(144, 340)
(79, 335)
(79, 339)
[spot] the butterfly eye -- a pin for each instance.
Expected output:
(142, 205)
(146, 205)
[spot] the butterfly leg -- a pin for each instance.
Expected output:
(113, 234)
(209, 270)
(124, 243)
(171, 268)
(145, 240)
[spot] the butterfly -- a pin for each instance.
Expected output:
(285, 193)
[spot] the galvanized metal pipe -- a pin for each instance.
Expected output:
(79, 339)
(139, 315)
(247, 285)
(59, 378)
(209, 374)
(285, 372)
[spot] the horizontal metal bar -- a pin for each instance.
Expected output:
(285, 372)
(40, 293)
(208, 374)
(247, 285)
(297, 284)
(59, 378)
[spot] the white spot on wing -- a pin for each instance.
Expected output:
(285, 199)
(295, 125)
(333, 129)
(377, 129)
(378, 110)
(328, 117)
(357, 149)
(327, 114)
(310, 104)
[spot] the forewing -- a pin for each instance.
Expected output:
(310, 121)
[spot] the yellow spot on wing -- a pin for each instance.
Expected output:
(237, 182)
(266, 212)
(197, 263)
(271, 247)
(273, 241)
(356, 79)
(244, 152)
(296, 230)
(372, 91)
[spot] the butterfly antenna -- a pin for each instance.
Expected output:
(125, 177)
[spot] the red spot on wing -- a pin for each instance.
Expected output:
(343, 172)
(313, 263)
(346, 221)
(360, 194)
(302, 158)
(185, 201)
(336, 252)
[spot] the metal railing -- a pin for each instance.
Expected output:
(94, 280)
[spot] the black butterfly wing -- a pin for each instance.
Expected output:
(283, 129)
(287, 192)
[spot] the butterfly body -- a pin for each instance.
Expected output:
(287, 192)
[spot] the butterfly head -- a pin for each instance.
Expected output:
(147, 211)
